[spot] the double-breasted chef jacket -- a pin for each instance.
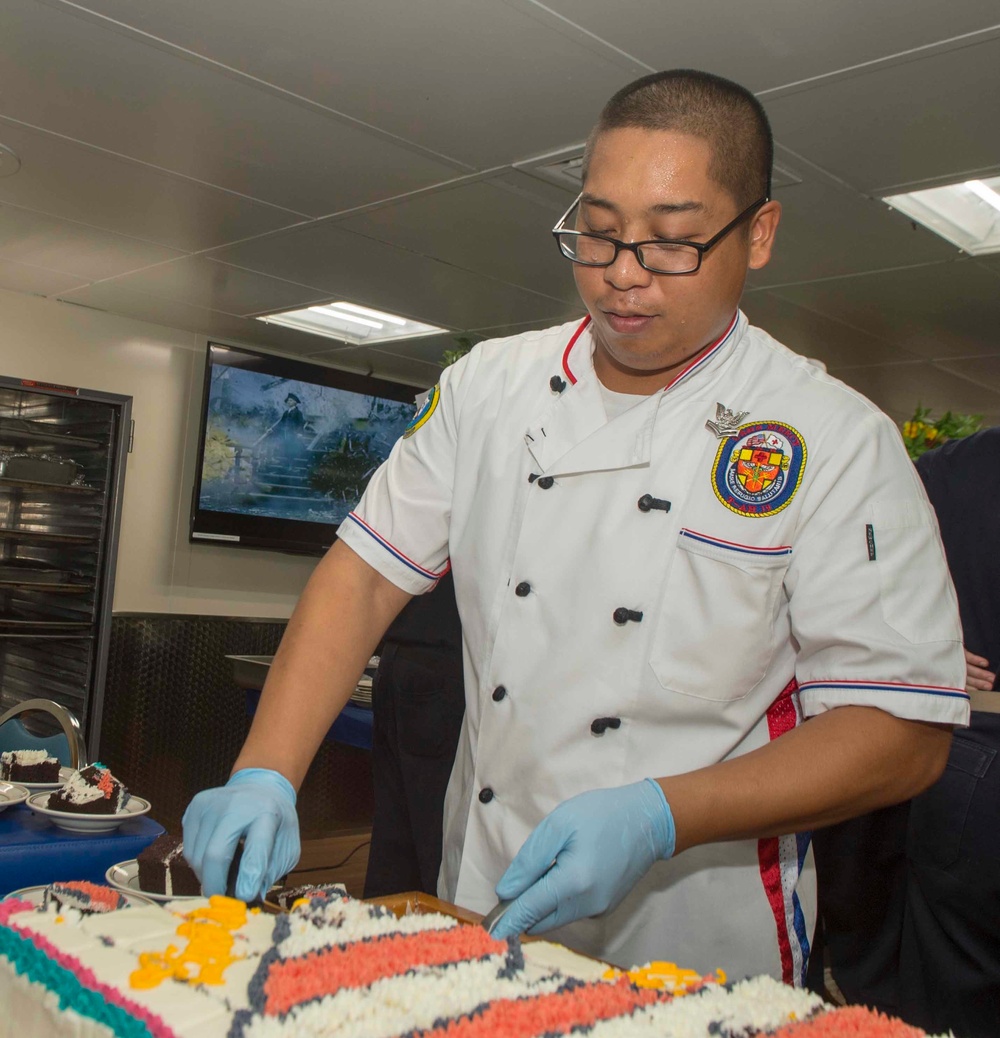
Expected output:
(656, 593)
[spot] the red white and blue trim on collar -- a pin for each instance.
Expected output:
(695, 365)
(745, 549)
(429, 574)
(886, 686)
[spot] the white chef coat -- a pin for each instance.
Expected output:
(821, 564)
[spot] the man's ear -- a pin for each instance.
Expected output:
(762, 234)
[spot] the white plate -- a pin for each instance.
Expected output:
(33, 895)
(65, 774)
(11, 793)
(83, 823)
(125, 877)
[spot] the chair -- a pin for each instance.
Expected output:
(67, 745)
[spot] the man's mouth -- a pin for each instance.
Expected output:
(626, 321)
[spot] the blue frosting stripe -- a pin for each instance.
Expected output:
(31, 962)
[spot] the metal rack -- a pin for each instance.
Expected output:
(58, 542)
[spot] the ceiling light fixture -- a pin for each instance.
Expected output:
(351, 322)
(966, 214)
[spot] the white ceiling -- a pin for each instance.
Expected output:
(197, 162)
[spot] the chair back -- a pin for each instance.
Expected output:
(68, 745)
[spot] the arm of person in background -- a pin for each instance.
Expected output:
(978, 676)
(342, 614)
(584, 858)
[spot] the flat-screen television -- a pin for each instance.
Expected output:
(287, 447)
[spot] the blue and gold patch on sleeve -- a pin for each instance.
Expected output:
(421, 417)
(757, 471)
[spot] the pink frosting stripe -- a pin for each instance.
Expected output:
(84, 974)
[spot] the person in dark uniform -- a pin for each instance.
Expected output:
(418, 702)
(288, 431)
(909, 896)
(949, 959)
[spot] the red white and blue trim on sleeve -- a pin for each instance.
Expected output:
(744, 549)
(887, 686)
(396, 553)
(781, 859)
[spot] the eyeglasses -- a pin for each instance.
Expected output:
(659, 255)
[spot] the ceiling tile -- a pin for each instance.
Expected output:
(900, 388)
(72, 248)
(937, 311)
(36, 281)
(398, 367)
(815, 335)
(481, 82)
(490, 229)
(984, 371)
(927, 118)
(216, 286)
(827, 230)
(766, 43)
(114, 90)
(374, 274)
(73, 182)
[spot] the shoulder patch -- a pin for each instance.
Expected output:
(421, 417)
(758, 470)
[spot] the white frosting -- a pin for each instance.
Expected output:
(26, 758)
(79, 791)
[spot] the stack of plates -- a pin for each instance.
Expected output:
(363, 693)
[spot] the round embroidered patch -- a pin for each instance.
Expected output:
(430, 405)
(757, 471)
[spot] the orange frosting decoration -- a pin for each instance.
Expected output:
(667, 976)
(208, 951)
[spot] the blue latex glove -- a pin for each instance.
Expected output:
(258, 804)
(585, 857)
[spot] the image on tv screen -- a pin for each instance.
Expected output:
(285, 449)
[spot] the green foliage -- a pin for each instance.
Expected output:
(448, 357)
(922, 433)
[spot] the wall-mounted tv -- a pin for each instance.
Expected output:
(287, 447)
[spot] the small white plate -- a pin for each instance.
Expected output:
(84, 823)
(125, 877)
(65, 774)
(33, 895)
(12, 793)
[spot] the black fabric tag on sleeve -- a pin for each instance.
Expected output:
(870, 535)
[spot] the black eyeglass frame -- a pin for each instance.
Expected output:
(701, 247)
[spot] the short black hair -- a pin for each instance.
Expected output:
(700, 104)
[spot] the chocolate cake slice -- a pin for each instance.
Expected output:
(91, 791)
(163, 869)
(28, 766)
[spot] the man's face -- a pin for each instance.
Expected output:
(646, 184)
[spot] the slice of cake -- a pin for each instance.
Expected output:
(163, 869)
(91, 791)
(88, 898)
(28, 766)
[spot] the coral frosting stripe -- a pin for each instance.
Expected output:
(86, 978)
(847, 1022)
(293, 981)
(552, 1014)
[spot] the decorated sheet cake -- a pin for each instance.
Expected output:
(333, 966)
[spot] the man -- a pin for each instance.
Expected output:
(673, 540)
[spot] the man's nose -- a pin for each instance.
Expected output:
(627, 272)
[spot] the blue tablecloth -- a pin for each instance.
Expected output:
(34, 852)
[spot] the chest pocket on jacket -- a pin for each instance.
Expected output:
(715, 636)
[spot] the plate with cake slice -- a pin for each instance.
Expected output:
(87, 822)
(11, 794)
(65, 774)
(125, 877)
(89, 898)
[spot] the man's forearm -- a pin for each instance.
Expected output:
(836, 765)
(342, 614)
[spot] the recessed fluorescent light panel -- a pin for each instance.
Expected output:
(349, 322)
(967, 214)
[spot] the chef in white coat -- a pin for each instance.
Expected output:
(703, 600)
